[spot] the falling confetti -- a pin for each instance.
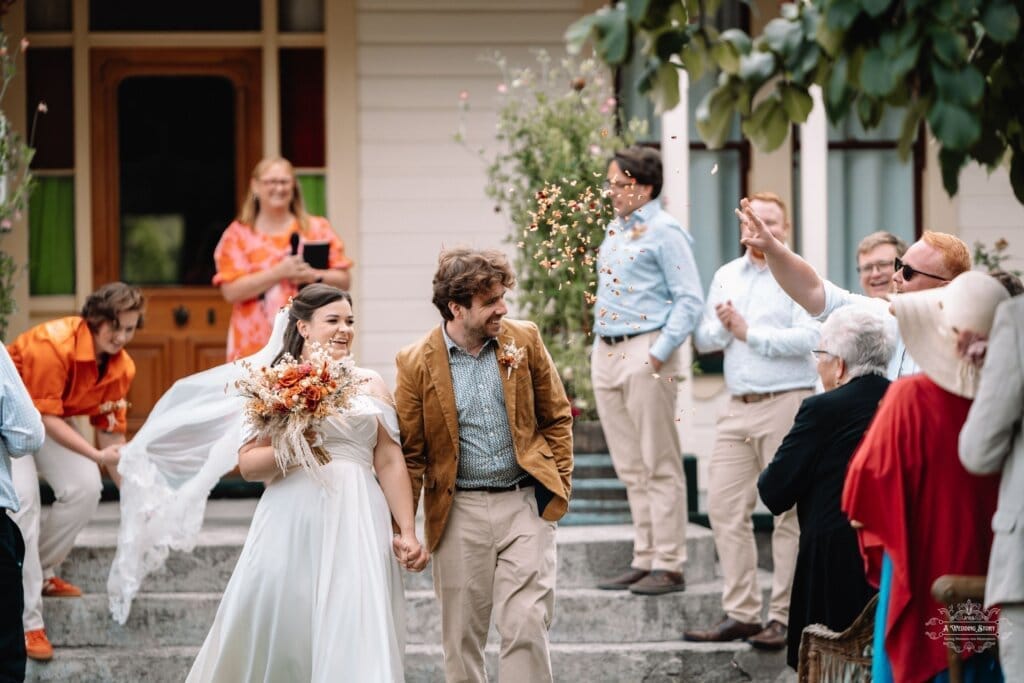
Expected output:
(714, 169)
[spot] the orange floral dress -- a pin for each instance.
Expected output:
(242, 251)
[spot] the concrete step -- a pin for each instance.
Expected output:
(582, 615)
(592, 465)
(598, 489)
(601, 663)
(586, 554)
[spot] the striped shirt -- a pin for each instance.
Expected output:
(21, 428)
(486, 454)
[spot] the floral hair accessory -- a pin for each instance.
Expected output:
(510, 357)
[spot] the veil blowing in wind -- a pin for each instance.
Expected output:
(189, 441)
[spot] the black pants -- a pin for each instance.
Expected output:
(12, 602)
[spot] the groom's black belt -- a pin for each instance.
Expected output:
(523, 483)
(612, 341)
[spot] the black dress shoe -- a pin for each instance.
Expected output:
(725, 631)
(659, 582)
(623, 581)
(773, 637)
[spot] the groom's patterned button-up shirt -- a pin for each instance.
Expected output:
(486, 454)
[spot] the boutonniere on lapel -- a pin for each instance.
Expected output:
(638, 232)
(510, 357)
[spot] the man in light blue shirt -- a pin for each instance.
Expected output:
(649, 300)
(21, 433)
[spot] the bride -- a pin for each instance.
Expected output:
(317, 591)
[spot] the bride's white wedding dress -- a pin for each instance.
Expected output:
(317, 592)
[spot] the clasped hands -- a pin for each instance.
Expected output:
(411, 554)
(295, 269)
(732, 320)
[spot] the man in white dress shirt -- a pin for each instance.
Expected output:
(932, 261)
(769, 370)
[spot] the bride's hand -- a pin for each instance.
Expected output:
(410, 553)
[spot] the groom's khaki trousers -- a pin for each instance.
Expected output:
(497, 552)
(76, 484)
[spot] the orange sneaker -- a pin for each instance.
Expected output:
(56, 587)
(37, 645)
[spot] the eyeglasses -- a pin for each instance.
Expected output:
(818, 353)
(909, 272)
(877, 266)
(618, 184)
(282, 182)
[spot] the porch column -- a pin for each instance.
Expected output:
(814, 186)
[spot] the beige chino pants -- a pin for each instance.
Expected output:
(75, 480)
(496, 552)
(748, 436)
(638, 416)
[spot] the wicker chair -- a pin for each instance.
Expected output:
(830, 657)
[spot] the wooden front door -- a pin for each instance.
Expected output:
(175, 135)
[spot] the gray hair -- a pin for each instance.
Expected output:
(862, 337)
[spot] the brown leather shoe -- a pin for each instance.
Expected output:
(723, 632)
(659, 582)
(623, 581)
(773, 637)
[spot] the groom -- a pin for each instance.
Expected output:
(487, 431)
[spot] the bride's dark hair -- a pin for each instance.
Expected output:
(305, 303)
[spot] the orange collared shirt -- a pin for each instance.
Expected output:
(57, 363)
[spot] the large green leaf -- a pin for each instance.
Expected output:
(714, 116)
(783, 37)
(876, 77)
(955, 127)
(768, 125)
(757, 67)
(796, 102)
(636, 9)
(1017, 173)
(666, 90)
(610, 30)
(948, 46)
(841, 14)
(836, 91)
(875, 7)
(694, 57)
(1001, 21)
(951, 161)
(964, 87)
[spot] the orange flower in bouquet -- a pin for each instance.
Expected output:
(288, 401)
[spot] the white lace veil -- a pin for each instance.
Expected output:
(189, 441)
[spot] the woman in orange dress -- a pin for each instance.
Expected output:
(257, 267)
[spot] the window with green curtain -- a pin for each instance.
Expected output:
(51, 241)
(314, 192)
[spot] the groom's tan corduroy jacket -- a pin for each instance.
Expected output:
(538, 414)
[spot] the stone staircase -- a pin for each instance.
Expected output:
(596, 635)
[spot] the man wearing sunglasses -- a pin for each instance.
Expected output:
(930, 262)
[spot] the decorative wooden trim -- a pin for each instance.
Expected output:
(108, 68)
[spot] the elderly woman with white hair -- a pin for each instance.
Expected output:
(809, 469)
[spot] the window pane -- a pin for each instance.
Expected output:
(850, 129)
(868, 190)
(302, 107)
(48, 15)
(314, 193)
(713, 196)
(177, 176)
(300, 16)
(181, 15)
(48, 80)
(636, 105)
(51, 236)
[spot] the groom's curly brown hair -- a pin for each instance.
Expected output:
(463, 272)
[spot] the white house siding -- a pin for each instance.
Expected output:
(419, 190)
(987, 211)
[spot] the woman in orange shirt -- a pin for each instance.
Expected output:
(71, 366)
(257, 269)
